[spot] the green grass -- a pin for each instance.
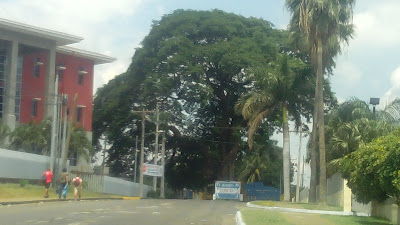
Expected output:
(253, 216)
(14, 192)
(309, 206)
(355, 220)
(261, 217)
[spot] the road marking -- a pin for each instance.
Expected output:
(41, 221)
(147, 207)
(156, 213)
(58, 218)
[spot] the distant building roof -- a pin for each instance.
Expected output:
(59, 37)
(96, 57)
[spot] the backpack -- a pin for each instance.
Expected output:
(43, 178)
(76, 181)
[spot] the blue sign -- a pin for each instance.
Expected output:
(227, 190)
(257, 191)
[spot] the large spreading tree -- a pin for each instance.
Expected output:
(196, 64)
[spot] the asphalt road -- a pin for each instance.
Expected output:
(114, 212)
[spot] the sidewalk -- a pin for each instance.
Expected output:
(38, 200)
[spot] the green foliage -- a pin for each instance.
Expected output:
(197, 64)
(23, 183)
(373, 170)
(154, 194)
(4, 132)
(32, 138)
(80, 144)
(263, 163)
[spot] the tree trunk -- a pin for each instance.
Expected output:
(313, 149)
(286, 156)
(321, 129)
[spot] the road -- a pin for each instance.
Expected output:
(114, 212)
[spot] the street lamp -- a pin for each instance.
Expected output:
(374, 102)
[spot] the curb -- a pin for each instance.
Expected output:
(239, 219)
(325, 212)
(58, 200)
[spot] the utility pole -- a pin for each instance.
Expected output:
(156, 147)
(302, 174)
(143, 112)
(54, 134)
(142, 155)
(162, 195)
(64, 133)
(136, 150)
(104, 155)
(298, 166)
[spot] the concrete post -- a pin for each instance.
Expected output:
(10, 88)
(347, 197)
(162, 191)
(142, 155)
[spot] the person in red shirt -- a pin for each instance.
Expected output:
(48, 177)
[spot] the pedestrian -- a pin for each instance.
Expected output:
(47, 177)
(77, 181)
(63, 179)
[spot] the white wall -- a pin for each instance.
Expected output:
(118, 186)
(22, 165)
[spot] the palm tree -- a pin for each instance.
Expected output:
(279, 92)
(324, 24)
(31, 138)
(4, 132)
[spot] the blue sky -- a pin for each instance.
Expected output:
(368, 67)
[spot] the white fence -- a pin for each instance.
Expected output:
(22, 165)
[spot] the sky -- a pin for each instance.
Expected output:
(368, 67)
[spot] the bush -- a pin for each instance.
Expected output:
(153, 194)
(23, 183)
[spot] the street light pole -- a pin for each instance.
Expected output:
(54, 134)
(156, 147)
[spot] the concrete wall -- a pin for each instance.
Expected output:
(335, 190)
(304, 195)
(388, 210)
(118, 186)
(22, 165)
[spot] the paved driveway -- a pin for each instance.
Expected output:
(113, 212)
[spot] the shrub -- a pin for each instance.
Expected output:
(23, 183)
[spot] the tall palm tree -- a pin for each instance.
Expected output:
(324, 24)
(279, 92)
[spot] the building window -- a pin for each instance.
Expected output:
(79, 114)
(59, 70)
(18, 87)
(34, 107)
(81, 73)
(3, 73)
(36, 67)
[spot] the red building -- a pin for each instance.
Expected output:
(37, 69)
(27, 78)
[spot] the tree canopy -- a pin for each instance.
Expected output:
(373, 170)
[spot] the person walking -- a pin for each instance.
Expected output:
(47, 177)
(77, 181)
(64, 178)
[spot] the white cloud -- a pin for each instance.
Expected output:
(378, 25)
(346, 73)
(394, 91)
(102, 24)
